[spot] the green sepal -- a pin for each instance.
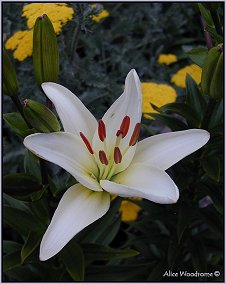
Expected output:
(45, 51)
(10, 83)
(40, 117)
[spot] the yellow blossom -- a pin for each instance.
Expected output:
(193, 70)
(58, 13)
(129, 210)
(102, 15)
(157, 94)
(21, 41)
(167, 59)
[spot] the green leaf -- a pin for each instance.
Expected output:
(10, 246)
(184, 110)
(158, 271)
(211, 165)
(32, 164)
(20, 220)
(217, 115)
(20, 184)
(31, 243)
(194, 98)
(218, 38)
(172, 122)
(206, 15)
(73, 258)
(11, 260)
(100, 252)
(198, 55)
(17, 124)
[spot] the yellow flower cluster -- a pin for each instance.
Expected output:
(167, 59)
(21, 41)
(58, 13)
(157, 94)
(179, 78)
(129, 210)
(102, 15)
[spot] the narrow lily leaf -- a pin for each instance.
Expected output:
(31, 243)
(217, 115)
(73, 258)
(99, 252)
(184, 110)
(211, 165)
(206, 15)
(158, 271)
(32, 165)
(198, 55)
(10, 246)
(11, 260)
(20, 184)
(172, 122)
(194, 98)
(17, 124)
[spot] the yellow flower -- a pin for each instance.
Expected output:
(102, 15)
(58, 13)
(129, 210)
(157, 94)
(193, 70)
(167, 59)
(21, 41)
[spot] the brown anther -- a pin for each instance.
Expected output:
(119, 132)
(125, 125)
(135, 135)
(103, 157)
(101, 130)
(117, 155)
(86, 141)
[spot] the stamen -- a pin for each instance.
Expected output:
(86, 141)
(135, 135)
(103, 157)
(101, 130)
(117, 155)
(124, 128)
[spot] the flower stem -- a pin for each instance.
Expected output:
(207, 36)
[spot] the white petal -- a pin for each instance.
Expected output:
(74, 116)
(164, 150)
(143, 181)
(78, 208)
(67, 151)
(128, 104)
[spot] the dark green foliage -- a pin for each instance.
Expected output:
(94, 60)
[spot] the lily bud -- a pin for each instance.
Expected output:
(40, 117)
(10, 83)
(45, 51)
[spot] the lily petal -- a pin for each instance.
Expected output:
(128, 104)
(67, 151)
(73, 114)
(143, 181)
(164, 150)
(78, 208)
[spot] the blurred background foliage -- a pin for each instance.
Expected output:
(95, 57)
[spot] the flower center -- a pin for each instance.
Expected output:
(108, 161)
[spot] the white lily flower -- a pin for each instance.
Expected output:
(106, 158)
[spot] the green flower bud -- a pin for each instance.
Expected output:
(10, 83)
(40, 117)
(45, 51)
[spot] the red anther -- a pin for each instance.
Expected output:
(103, 157)
(135, 135)
(86, 141)
(125, 125)
(101, 130)
(117, 155)
(119, 132)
